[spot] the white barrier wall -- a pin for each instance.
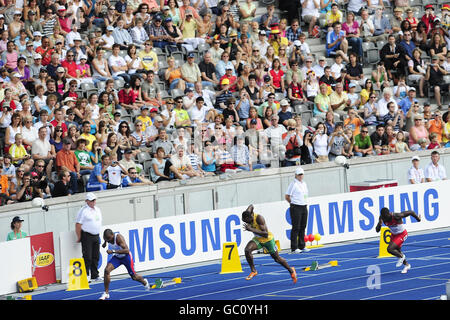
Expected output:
(179, 240)
(16, 264)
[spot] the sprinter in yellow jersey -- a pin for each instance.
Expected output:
(263, 239)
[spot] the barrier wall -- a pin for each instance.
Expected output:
(165, 242)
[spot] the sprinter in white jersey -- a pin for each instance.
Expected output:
(120, 255)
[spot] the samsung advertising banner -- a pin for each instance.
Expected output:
(199, 237)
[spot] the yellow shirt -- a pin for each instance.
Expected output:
(189, 29)
(331, 18)
(17, 151)
(90, 138)
(335, 99)
(149, 60)
(146, 121)
(284, 42)
(257, 227)
(445, 132)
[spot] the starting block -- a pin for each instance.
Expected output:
(316, 266)
(160, 283)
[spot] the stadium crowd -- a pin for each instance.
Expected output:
(97, 94)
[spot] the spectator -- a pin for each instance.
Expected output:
(417, 70)
(16, 227)
(416, 174)
(83, 157)
(353, 122)
(435, 78)
(118, 64)
(436, 125)
(406, 51)
(339, 101)
(417, 132)
(396, 20)
(322, 102)
(382, 27)
(336, 142)
(393, 118)
(310, 13)
(61, 187)
(434, 143)
(351, 28)
(66, 160)
(428, 17)
(133, 179)
(355, 73)
(435, 171)
(182, 163)
(28, 191)
(336, 42)
(162, 168)
(241, 155)
(363, 144)
(379, 138)
(385, 100)
(98, 179)
(320, 142)
(307, 149)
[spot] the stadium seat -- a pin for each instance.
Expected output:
(176, 93)
(118, 83)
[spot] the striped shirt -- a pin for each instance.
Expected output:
(47, 28)
(240, 154)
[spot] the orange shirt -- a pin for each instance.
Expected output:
(174, 74)
(4, 184)
(66, 159)
(437, 128)
(355, 125)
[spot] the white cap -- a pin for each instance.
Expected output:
(284, 102)
(77, 38)
(110, 28)
(37, 34)
(297, 43)
(90, 196)
(299, 170)
(415, 158)
(82, 56)
(37, 56)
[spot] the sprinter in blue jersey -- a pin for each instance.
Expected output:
(120, 255)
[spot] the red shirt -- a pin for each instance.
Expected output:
(127, 98)
(276, 77)
(62, 125)
(46, 55)
(232, 80)
(71, 68)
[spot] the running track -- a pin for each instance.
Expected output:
(428, 254)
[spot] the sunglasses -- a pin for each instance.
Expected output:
(365, 131)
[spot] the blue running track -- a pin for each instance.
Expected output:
(359, 276)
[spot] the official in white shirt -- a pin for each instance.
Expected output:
(416, 174)
(88, 226)
(296, 195)
(434, 171)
